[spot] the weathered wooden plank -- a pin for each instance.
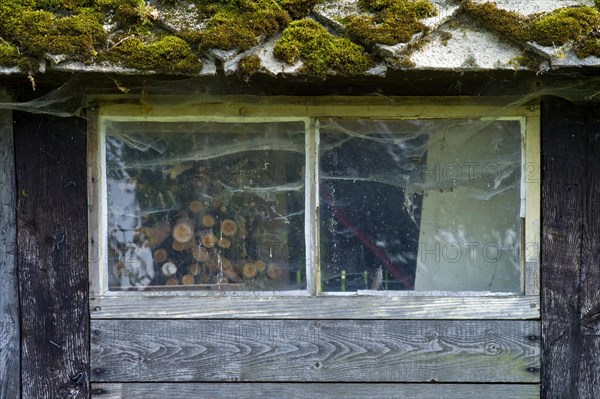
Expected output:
(350, 307)
(10, 378)
(563, 184)
(310, 350)
(317, 390)
(314, 106)
(52, 255)
(94, 173)
(588, 383)
(532, 182)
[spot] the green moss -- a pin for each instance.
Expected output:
(168, 54)
(394, 21)
(238, 24)
(562, 25)
(9, 55)
(404, 8)
(525, 60)
(587, 47)
(39, 32)
(320, 51)
(228, 29)
(401, 62)
(509, 24)
(554, 28)
(248, 66)
(298, 9)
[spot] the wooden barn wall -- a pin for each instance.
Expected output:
(570, 249)
(52, 255)
(256, 358)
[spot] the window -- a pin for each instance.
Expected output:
(316, 200)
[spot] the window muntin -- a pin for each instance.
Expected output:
(312, 262)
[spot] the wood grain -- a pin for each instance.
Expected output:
(52, 255)
(588, 382)
(10, 379)
(350, 307)
(309, 350)
(570, 278)
(316, 390)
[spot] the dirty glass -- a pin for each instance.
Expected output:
(205, 205)
(428, 205)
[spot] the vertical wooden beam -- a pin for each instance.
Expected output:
(588, 383)
(570, 249)
(10, 379)
(52, 255)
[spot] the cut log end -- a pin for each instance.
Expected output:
(274, 271)
(183, 231)
(196, 206)
(208, 220)
(172, 281)
(194, 269)
(188, 279)
(160, 255)
(209, 240)
(178, 246)
(228, 227)
(169, 269)
(224, 243)
(261, 266)
(200, 254)
(250, 270)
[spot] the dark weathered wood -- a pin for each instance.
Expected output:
(588, 383)
(52, 255)
(315, 390)
(333, 307)
(10, 379)
(570, 249)
(324, 350)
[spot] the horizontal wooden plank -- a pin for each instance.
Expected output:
(314, 106)
(311, 391)
(349, 307)
(310, 350)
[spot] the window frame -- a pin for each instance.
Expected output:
(311, 303)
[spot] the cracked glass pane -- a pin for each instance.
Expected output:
(429, 205)
(205, 205)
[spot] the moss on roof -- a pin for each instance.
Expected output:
(390, 21)
(131, 33)
(319, 50)
(248, 67)
(548, 29)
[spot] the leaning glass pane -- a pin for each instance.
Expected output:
(205, 205)
(430, 205)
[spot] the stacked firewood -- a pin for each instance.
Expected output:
(201, 247)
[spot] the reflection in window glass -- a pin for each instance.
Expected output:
(206, 205)
(420, 205)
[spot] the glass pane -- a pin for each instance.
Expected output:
(420, 205)
(206, 205)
